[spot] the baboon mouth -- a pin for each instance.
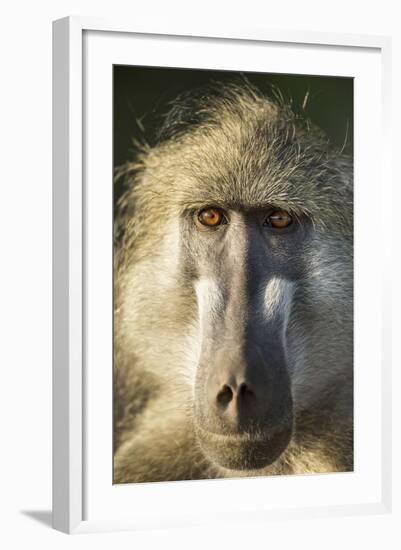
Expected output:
(243, 451)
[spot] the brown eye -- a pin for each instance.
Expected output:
(279, 219)
(211, 217)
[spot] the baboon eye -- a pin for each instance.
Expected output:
(278, 219)
(212, 217)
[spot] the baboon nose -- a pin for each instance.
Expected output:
(239, 395)
(237, 405)
(229, 393)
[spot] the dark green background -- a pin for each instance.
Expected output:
(143, 93)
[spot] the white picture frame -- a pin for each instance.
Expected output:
(83, 44)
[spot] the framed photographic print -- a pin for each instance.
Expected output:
(215, 207)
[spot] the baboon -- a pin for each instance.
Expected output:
(233, 295)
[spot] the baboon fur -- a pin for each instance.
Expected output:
(229, 145)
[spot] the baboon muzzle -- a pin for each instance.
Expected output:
(243, 403)
(244, 397)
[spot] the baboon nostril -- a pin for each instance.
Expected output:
(225, 395)
(245, 391)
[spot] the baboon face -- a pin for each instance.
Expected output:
(246, 264)
(257, 213)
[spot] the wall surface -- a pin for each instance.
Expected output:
(25, 290)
